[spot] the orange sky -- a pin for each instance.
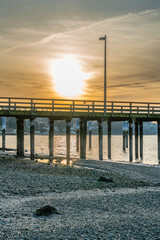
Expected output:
(35, 34)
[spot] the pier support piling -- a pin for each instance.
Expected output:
(77, 136)
(141, 140)
(136, 140)
(100, 132)
(83, 134)
(3, 133)
(124, 137)
(32, 131)
(127, 137)
(158, 133)
(20, 137)
(130, 141)
(68, 126)
(51, 137)
(90, 134)
(109, 139)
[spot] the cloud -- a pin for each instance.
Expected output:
(133, 50)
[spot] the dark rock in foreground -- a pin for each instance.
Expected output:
(104, 179)
(45, 211)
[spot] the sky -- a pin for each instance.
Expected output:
(34, 34)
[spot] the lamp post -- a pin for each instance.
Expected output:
(105, 70)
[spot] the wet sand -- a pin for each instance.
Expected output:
(128, 208)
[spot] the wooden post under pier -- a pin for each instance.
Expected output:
(130, 141)
(83, 133)
(124, 136)
(90, 134)
(100, 132)
(32, 131)
(51, 137)
(68, 126)
(109, 139)
(3, 133)
(77, 136)
(136, 140)
(158, 135)
(141, 140)
(20, 137)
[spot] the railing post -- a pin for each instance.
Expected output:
(31, 106)
(73, 107)
(121, 109)
(9, 102)
(93, 108)
(148, 109)
(112, 108)
(15, 106)
(52, 107)
(130, 109)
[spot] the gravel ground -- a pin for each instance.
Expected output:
(129, 208)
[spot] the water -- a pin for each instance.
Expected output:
(41, 147)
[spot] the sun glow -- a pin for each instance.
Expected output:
(68, 76)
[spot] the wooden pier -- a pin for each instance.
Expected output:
(135, 113)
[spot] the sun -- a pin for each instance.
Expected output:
(68, 76)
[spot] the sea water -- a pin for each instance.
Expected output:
(150, 152)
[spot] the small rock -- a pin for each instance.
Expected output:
(45, 211)
(104, 179)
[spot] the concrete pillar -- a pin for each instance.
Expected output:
(130, 141)
(3, 133)
(77, 136)
(68, 126)
(109, 139)
(83, 134)
(20, 137)
(136, 140)
(158, 131)
(51, 137)
(141, 140)
(100, 132)
(32, 130)
(124, 136)
(90, 134)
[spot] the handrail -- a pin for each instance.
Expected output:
(78, 106)
(77, 100)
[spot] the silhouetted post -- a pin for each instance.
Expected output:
(77, 135)
(3, 133)
(20, 137)
(124, 136)
(68, 126)
(83, 133)
(90, 134)
(51, 137)
(109, 139)
(141, 140)
(100, 131)
(158, 131)
(130, 141)
(32, 130)
(85, 138)
(136, 139)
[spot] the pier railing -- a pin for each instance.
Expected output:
(34, 105)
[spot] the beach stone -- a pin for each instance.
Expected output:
(45, 211)
(104, 179)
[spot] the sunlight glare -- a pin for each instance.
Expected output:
(68, 76)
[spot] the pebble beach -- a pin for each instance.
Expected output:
(127, 208)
